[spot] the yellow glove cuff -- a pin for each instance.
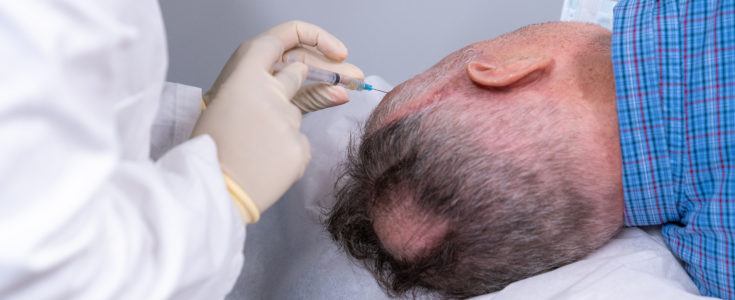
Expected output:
(247, 207)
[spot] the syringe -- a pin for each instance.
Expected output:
(333, 78)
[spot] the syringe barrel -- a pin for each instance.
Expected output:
(324, 76)
(329, 77)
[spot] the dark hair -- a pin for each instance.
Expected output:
(510, 213)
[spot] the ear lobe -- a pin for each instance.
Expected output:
(494, 75)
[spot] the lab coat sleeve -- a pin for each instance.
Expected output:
(79, 217)
(176, 233)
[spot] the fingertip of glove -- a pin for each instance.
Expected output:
(338, 50)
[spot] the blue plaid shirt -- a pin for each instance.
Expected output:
(674, 65)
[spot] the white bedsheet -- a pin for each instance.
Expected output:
(289, 256)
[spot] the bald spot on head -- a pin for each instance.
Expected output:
(405, 230)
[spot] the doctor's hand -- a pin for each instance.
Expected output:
(251, 117)
(304, 47)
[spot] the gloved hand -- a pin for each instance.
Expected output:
(251, 118)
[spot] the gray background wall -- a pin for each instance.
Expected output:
(391, 38)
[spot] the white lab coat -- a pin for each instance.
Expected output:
(85, 213)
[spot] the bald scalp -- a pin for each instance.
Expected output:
(448, 76)
(406, 230)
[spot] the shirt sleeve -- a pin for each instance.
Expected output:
(674, 65)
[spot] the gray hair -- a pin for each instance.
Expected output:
(508, 219)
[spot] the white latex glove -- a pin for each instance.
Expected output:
(252, 120)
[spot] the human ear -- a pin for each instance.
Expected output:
(505, 74)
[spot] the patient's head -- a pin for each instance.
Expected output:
(498, 163)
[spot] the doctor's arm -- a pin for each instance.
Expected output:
(81, 217)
